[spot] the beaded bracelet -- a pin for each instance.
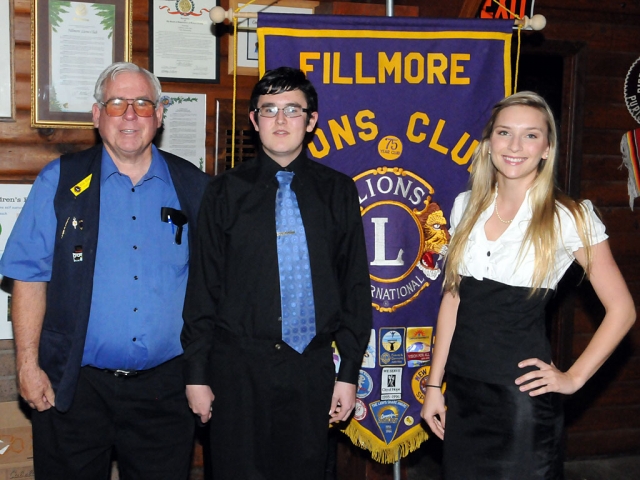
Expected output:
(434, 386)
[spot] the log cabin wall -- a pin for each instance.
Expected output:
(604, 418)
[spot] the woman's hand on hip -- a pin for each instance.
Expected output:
(546, 379)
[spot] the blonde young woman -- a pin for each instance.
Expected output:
(514, 236)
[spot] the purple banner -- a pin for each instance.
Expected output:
(401, 104)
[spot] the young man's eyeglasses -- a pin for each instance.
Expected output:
(290, 111)
(116, 107)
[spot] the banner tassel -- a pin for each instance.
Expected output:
(381, 452)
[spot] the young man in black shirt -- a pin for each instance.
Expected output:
(269, 398)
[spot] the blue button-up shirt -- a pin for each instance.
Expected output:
(140, 273)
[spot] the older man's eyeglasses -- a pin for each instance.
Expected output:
(116, 107)
(290, 111)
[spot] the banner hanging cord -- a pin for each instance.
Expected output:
(515, 78)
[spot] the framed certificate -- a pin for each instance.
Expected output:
(183, 44)
(7, 103)
(247, 36)
(71, 44)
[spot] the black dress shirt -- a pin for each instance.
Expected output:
(234, 279)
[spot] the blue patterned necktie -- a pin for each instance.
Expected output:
(296, 289)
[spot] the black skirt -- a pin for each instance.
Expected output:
(497, 432)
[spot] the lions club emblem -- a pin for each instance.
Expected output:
(407, 235)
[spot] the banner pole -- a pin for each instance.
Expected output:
(396, 470)
(396, 464)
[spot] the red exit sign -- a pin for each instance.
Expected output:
(520, 8)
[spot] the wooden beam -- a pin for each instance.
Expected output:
(470, 8)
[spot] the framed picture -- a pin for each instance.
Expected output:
(247, 36)
(71, 44)
(14, 196)
(7, 102)
(183, 46)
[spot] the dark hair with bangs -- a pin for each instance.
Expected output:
(284, 79)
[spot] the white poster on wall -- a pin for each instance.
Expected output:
(12, 198)
(185, 123)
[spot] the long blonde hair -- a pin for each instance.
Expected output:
(542, 233)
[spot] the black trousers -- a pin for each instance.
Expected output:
(270, 416)
(145, 419)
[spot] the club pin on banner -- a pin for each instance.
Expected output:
(401, 104)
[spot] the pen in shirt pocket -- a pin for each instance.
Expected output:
(177, 219)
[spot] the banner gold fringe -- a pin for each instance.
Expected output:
(381, 452)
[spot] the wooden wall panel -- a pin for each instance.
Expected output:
(599, 416)
(608, 89)
(601, 141)
(581, 340)
(608, 115)
(603, 168)
(22, 27)
(599, 444)
(612, 194)
(605, 418)
(607, 63)
(593, 8)
(619, 393)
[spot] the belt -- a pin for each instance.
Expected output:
(122, 373)
(129, 373)
(119, 372)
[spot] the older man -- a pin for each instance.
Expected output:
(99, 258)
